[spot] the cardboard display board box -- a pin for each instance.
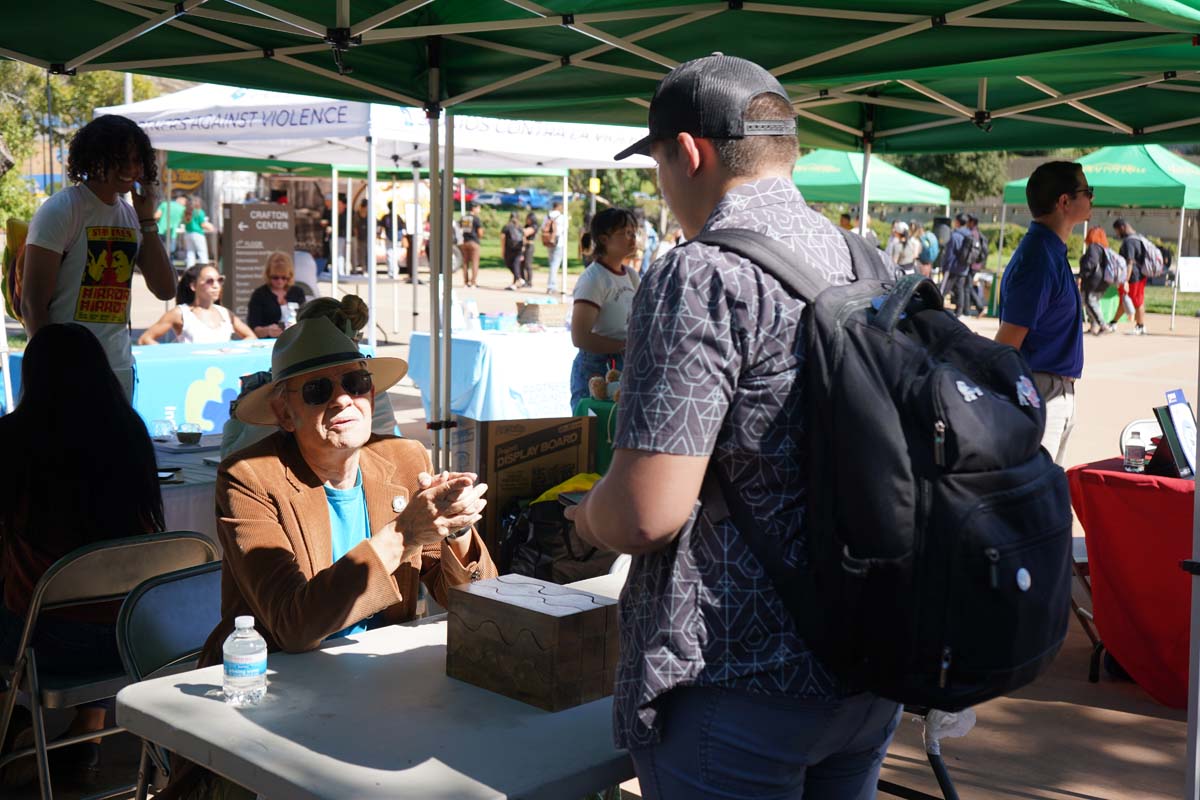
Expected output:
(550, 646)
(519, 459)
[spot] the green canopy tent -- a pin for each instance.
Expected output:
(836, 176)
(1133, 176)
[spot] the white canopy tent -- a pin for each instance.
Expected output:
(256, 124)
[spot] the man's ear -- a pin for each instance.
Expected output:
(282, 413)
(695, 152)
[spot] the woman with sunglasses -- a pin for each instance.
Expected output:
(265, 311)
(198, 316)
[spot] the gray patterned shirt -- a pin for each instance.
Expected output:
(712, 363)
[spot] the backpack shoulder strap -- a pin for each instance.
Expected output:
(797, 276)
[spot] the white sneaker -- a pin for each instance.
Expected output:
(1139, 330)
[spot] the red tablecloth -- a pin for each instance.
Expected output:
(1138, 529)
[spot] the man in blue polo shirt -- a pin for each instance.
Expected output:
(1040, 307)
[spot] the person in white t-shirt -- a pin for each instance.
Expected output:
(198, 317)
(554, 238)
(85, 241)
(603, 298)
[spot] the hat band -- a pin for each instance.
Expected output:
(319, 361)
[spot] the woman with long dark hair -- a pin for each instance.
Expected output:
(603, 298)
(81, 470)
(198, 315)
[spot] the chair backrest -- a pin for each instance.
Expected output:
(165, 620)
(1146, 427)
(109, 569)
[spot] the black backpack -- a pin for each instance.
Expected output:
(974, 253)
(939, 531)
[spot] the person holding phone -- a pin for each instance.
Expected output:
(85, 241)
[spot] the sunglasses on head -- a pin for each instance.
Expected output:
(318, 391)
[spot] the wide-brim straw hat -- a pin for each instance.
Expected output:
(308, 346)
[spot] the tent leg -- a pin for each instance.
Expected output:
(334, 225)
(372, 240)
(393, 260)
(1000, 246)
(863, 204)
(414, 243)
(348, 264)
(435, 260)
(1193, 706)
(566, 221)
(171, 230)
(6, 369)
(448, 284)
(1178, 256)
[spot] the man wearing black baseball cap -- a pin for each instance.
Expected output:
(716, 694)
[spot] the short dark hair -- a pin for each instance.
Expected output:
(1049, 182)
(607, 221)
(751, 155)
(1120, 224)
(972, 218)
(961, 218)
(103, 146)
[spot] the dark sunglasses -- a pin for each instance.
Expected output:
(318, 391)
(214, 281)
(1089, 191)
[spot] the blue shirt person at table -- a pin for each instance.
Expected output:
(603, 297)
(1041, 313)
(717, 695)
(85, 241)
(78, 471)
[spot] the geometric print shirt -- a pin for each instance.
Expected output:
(712, 361)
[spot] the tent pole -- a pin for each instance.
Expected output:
(566, 222)
(1193, 706)
(448, 283)
(863, 205)
(167, 209)
(334, 223)
(414, 242)
(394, 260)
(434, 112)
(1178, 255)
(349, 262)
(372, 241)
(1000, 246)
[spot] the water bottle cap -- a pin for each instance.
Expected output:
(243, 622)
(1135, 435)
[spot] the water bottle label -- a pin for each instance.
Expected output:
(249, 666)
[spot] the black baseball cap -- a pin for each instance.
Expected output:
(707, 97)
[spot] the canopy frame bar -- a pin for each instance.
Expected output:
(135, 32)
(346, 79)
(896, 102)
(850, 87)
(183, 26)
(15, 56)
(1077, 105)
(595, 33)
(829, 122)
(257, 22)
(271, 12)
(937, 97)
(1175, 87)
(925, 23)
(1085, 94)
(1166, 126)
(1008, 23)
(537, 55)
(386, 16)
(981, 95)
(215, 58)
(343, 13)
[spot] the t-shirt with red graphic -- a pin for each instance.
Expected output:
(99, 243)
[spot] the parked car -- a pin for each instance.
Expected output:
(458, 192)
(489, 199)
(525, 198)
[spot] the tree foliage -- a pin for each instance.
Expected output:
(968, 176)
(23, 117)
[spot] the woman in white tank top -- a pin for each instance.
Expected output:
(197, 315)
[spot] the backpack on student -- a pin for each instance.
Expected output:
(12, 266)
(550, 232)
(515, 236)
(938, 530)
(1153, 264)
(974, 252)
(1116, 268)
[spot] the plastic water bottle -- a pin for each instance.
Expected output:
(245, 664)
(1135, 453)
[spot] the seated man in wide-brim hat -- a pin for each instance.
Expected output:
(327, 528)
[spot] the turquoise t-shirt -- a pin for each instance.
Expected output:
(348, 525)
(196, 223)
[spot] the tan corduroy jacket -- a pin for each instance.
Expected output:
(273, 521)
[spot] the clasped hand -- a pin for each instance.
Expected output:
(445, 504)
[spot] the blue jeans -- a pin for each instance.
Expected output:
(585, 366)
(730, 744)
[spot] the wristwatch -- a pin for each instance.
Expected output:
(458, 533)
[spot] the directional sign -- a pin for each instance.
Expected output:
(251, 233)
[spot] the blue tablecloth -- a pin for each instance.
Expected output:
(501, 375)
(189, 382)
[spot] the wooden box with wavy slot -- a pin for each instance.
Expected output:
(551, 646)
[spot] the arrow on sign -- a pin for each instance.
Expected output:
(242, 226)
